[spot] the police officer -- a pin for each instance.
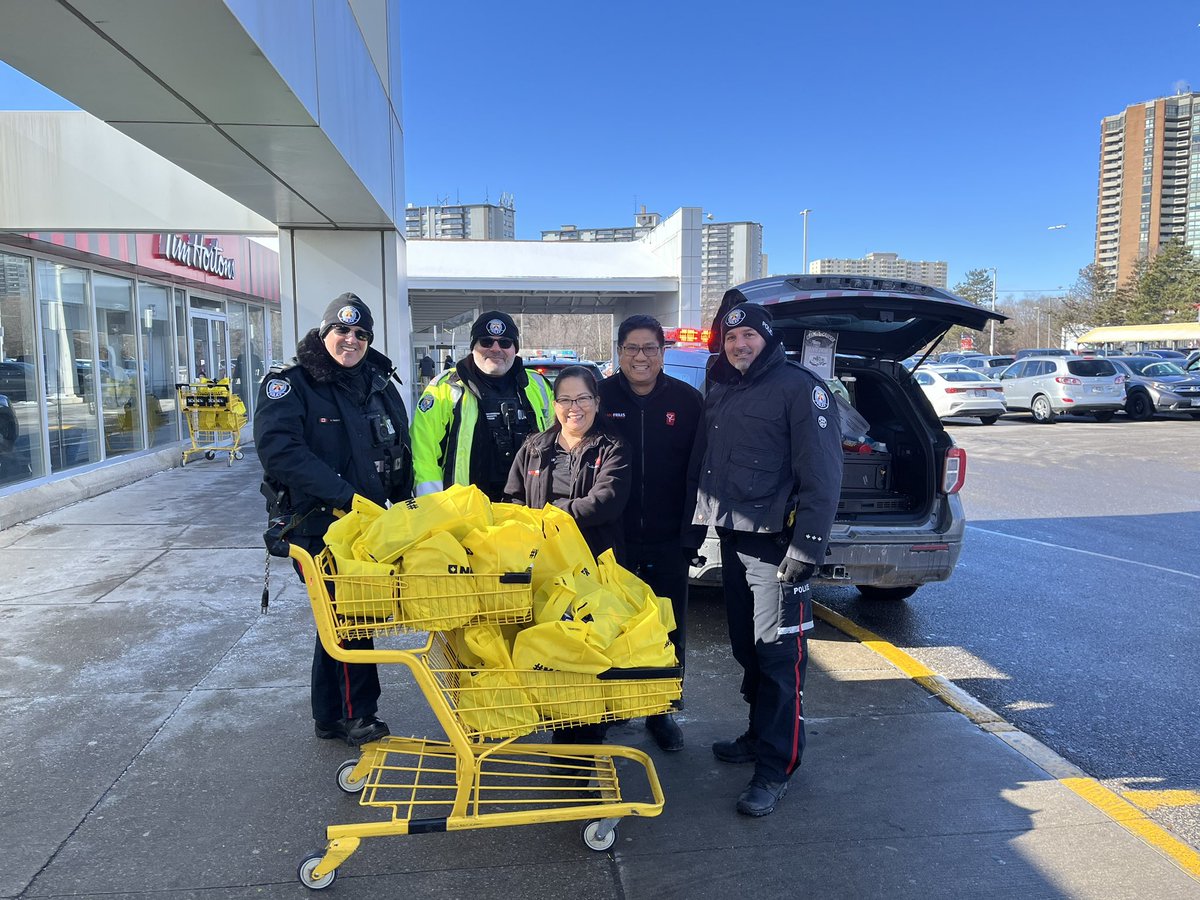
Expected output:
(330, 425)
(472, 419)
(657, 416)
(768, 471)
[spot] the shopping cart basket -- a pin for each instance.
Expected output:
(215, 418)
(481, 776)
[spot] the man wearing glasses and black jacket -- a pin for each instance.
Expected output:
(657, 416)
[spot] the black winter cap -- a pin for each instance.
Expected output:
(495, 324)
(348, 310)
(750, 315)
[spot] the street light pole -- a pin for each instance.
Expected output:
(992, 329)
(804, 266)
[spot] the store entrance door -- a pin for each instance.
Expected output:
(210, 347)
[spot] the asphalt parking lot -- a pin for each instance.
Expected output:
(1072, 609)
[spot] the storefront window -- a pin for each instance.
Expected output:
(154, 327)
(239, 376)
(258, 353)
(22, 454)
(121, 396)
(182, 369)
(279, 353)
(70, 365)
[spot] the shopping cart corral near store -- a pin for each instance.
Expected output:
(481, 776)
(215, 418)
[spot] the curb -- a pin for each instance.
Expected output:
(1070, 776)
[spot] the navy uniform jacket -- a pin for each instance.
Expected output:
(771, 442)
(324, 435)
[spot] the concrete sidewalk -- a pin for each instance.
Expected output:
(157, 740)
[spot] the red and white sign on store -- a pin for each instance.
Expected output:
(966, 342)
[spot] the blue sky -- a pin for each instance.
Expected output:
(936, 130)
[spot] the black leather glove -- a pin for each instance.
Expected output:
(691, 556)
(275, 537)
(792, 571)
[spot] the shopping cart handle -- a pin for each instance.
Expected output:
(640, 674)
(525, 577)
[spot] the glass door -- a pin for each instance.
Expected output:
(210, 351)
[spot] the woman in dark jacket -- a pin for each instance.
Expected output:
(577, 464)
(581, 467)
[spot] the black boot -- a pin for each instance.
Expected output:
(363, 730)
(665, 731)
(743, 749)
(328, 730)
(761, 796)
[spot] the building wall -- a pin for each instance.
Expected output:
(469, 222)
(884, 265)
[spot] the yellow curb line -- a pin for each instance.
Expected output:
(1158, 799)
(1111, 804)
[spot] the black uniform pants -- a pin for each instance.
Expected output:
(767, 624)
(341, 690)
(662, 566)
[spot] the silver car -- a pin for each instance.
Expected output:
(1050, 386)
(900, 521)
(1154, 384)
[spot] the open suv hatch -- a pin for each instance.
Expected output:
(900, 520)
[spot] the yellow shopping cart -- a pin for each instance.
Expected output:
(215, 418)
(480, 776)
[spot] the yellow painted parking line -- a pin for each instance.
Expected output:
(1159, 799)
(1120, 810)
(1134, 820)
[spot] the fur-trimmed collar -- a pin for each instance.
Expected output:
(315, 359)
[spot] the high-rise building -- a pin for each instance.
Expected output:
(1149, 190)
(884, 265)
(466, 221)
(730, 252)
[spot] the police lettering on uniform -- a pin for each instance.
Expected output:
(472, 419)
(766, 473)
(657, 416)
(330, 424)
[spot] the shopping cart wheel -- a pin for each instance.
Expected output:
(210, 454)
(183, 459)
(238, 454)
(345, 782)
(304, 873)
(591, 839)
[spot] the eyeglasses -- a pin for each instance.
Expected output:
(486, 343)
(582, 402)
(649, 350)
(364, 336)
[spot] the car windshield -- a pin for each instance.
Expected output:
(1159, 368)
(1000, 361)
(1090, 368)
(964, 376)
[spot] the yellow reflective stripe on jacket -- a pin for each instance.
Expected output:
(537, 390)
(428, 430)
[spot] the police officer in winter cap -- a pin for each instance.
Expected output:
(330, 425)
(766, 472)
(471, 419)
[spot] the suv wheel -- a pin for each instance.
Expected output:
(892, 594)
(1105, 415)
(1139, 406)
(1043, 413)
(988, 420)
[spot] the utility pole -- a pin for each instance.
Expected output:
(992, 328)
(804, 265)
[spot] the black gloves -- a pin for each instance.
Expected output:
(691, 555)
(792, 571)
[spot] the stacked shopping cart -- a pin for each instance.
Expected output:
(215, 418)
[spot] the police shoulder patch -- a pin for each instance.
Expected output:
(277, 388)
(820, 398)
(822, 421)
(425, 404)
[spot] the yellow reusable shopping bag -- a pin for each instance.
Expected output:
(457, 510)
(513, 512)
(344, 531)
(618, 578)
(435, 595)
(605, 611)
(364, 591)
(642, 643)
(497, 549)
(552, 602)
(563, 550)
(490, 699)
(559, 667)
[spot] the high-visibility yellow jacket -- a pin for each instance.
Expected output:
(443, 425)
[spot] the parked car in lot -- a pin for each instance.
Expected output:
(550, 366)
(1153, 384)
(900, 521)
(1052, 351)
(1049, 386)
(957, 391)
(1192, 364)
(1162, 353)
(988, 365)
(955, 356)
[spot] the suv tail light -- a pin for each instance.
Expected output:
(1120, 379)
(954, 470)
(1067, 379)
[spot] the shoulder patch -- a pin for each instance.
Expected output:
(278, 388)
(820, 398)
(425, 404)
(822, 421)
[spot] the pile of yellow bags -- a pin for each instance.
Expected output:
(588, 616)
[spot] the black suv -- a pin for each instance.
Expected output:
(900, 520)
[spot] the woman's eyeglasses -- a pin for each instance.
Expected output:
(364, 336)
(486, 343)
(567, 402)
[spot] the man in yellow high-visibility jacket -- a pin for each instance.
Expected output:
(472, 419)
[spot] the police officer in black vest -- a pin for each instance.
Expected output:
(767, 471)
(658, 417)
(330, 424)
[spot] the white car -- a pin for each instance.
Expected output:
(956, 391)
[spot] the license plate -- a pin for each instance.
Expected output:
(985, 393)
(1099, 389)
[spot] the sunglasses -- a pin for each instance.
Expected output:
(364, 336)
(487, 343)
